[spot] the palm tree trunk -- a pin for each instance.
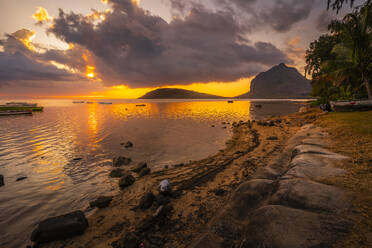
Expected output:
(365, 79)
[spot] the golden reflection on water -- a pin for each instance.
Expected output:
(92, 119)
(181, 110)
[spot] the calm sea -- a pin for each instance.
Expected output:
(42, 147)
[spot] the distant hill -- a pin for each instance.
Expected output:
(279, 82)
(171, 93)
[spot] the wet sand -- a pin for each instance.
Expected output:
(200, 188)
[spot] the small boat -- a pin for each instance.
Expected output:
(7, 113)
(140, 105)
(230, 101)
(78, 102)
(105, 102)
(89, 102)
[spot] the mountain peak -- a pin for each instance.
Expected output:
(281, 81)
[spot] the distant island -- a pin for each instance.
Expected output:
(173, 93)
(280, 82)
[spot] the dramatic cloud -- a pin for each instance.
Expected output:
(131, 46)
(19, 62)
(286, 13)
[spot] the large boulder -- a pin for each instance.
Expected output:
(1, 180)
(60, 227)
(120, 161)
(126, 181)
(101, 202)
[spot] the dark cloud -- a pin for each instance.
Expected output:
(322, 22)
(132, 46)
(285, 13)
(19, 63)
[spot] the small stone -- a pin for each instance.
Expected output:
(219, 192)
(116, 173)
(101, 202)
(139, 167)
(126, 181)
(129, 241)
(272, 138)
(119, 161)
(146, 201)
(20, 178)
(1, 180)
(77, 159)
(128, 144)
(165, 187)
(166, 167)
(179, 165)
(144, 172)
(224, 127)
(212, 125)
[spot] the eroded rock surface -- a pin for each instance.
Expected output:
(285, 204)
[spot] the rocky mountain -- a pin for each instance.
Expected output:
(171, 93)
(279, 82)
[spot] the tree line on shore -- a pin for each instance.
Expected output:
(340, 62)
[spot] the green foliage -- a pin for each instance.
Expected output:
(340, 62)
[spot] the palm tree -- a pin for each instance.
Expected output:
(354, 53)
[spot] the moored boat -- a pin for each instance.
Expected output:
(8, 113)
(105, 102)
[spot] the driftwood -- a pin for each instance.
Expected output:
(341, 106)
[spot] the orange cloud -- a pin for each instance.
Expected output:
(41, 15)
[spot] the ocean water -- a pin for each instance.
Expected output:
(42, 147)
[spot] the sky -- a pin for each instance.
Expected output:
(125, 48)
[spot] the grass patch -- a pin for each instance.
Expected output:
(35, 109)
(351, 135)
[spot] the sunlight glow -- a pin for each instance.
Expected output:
(41, 15)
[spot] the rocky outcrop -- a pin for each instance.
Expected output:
(60, 227)
(280, 81)
(285, 204)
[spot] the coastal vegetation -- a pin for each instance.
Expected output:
(340, 62)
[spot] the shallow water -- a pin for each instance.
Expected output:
(43, 147)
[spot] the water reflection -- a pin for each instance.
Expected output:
(43, 147)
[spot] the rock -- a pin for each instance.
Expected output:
(283, 227)
(1, 180)
(101, 202)
(128, 144)
(60, 227)
(129, 241)
(304, 194)
(212, 125)
(144, 172)
(77, 159)
(20, 178)
(119, 161)
(161, 199)
(165, 187)
(272, 138)
(179, 165)
(162, 212)
(126, 181)
(146, 201)
(303, 110)
(139, 167)
(250, 195)
(219, 192)
(116, 173)
(224, 127)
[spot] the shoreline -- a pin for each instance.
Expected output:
(200, 189)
